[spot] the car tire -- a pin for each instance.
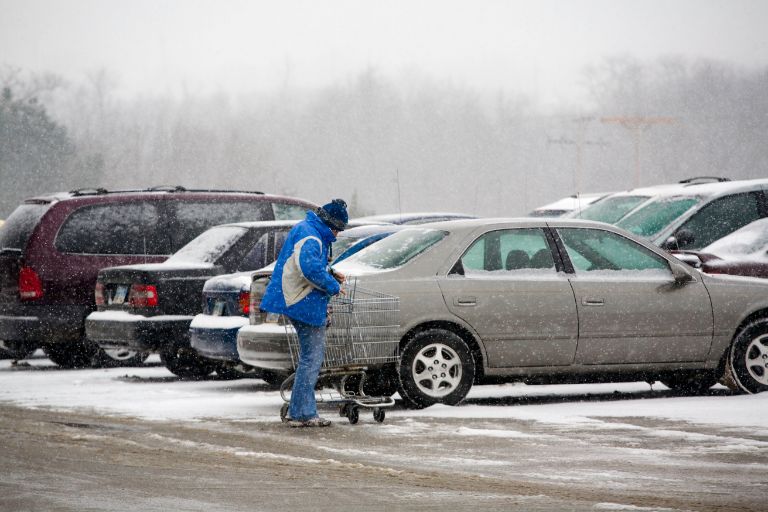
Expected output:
(691, 383)
(747, 364)
(17, 350)
(226, 372)
(80, 354)
(436, 366)
(118, 358)
(183, 361)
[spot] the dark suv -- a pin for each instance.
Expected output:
(52, 248)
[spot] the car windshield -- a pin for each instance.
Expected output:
(342, 244)
(656, 215)
(610, 209)
(208, 246)
(752, 239)
(397, 249)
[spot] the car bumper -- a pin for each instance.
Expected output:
(136, 332)
(265, 346)
(216, 337)
(42, 323)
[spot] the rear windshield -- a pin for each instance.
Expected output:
(610, 209)
(288, 211)
(397, 249)
(655, 216)
(18, 227)
(209, 246)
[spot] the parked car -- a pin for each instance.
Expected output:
(742, 253)
(687, 215)
(547, 300)
(149, 307)
(226, 307)
(411, 217)
(567, 205)
(52, 247)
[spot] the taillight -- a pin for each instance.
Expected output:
(30, 286)
(245, 302)
(98, 294)
(143, 295)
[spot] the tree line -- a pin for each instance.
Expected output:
(389, 146)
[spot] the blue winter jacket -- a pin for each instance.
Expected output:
(301, 284)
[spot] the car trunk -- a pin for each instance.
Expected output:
(159, 289)
(10, 265)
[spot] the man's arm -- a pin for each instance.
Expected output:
(314, 267)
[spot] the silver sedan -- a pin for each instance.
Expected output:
(490, 300)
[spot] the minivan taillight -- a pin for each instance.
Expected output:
(30, 286)
(143, 296)
(98, 294)
(245, 302)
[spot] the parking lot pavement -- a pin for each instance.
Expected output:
(142, 439)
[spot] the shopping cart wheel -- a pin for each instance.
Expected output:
(284, 413)
(353, 414)
(379, 414)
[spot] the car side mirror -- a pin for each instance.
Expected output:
(680, 274)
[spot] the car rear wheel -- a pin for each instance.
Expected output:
(17, 349)
(78, 354)
(436, 366)
(119, 357)
(748, 359)
(183, 361)
(692, 383)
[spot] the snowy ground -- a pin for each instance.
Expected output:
(513, 447)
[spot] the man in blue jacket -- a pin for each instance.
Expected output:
(300, 288)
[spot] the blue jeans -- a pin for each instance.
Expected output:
(311, 354)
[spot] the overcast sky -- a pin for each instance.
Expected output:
(536, 47)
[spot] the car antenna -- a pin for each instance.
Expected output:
(399, 203)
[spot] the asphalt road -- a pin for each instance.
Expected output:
(74, 461)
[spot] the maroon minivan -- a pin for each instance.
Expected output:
(52, 248)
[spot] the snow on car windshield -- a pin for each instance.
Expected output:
(749, 241)
(655, 216)
(397, 249)
(610, 209)
(208, 246)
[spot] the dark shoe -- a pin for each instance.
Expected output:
(313, 422)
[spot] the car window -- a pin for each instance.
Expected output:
(397, 249)
(751, 240)
(264, 251)
(610, 209)
(604, 252)
(209, 246)
(19, 225)
(657, 215)
(287, 211)
(194, 217)
(508, 251)
(719, 218)
(117, 228)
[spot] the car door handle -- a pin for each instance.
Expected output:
(591, 301)
(465, 301)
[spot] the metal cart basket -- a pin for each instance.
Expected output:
(362, 333)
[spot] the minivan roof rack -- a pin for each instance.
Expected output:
(704, 179)
(90, 191)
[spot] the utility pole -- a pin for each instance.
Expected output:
(638, 125)
(579, 142)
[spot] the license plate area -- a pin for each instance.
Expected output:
(119, 295)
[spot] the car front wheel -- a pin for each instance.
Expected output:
(748, 358)
(184, 362)
(436, 366)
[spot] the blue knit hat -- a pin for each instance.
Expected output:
(334, 214)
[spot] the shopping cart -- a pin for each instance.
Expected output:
(362, 334)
